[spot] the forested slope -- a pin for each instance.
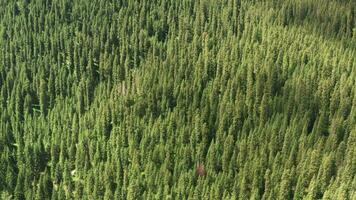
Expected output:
(178, 99)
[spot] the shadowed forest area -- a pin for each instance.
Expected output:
(178, 99)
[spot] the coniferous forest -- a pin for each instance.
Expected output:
(178, 99)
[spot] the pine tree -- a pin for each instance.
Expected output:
(43, 96)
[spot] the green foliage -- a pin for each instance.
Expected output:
(171, 99)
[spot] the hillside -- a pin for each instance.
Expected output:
(178, 99)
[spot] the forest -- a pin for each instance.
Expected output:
(178, 99)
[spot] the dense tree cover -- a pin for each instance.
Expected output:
(168, 99)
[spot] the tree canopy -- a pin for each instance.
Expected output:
(167, 99)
